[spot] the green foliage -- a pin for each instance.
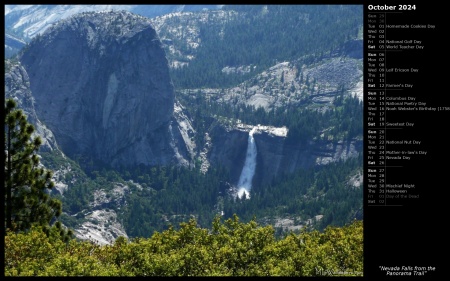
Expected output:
(79, 186)
(263, 35)
(28, 200)
(170, 193)
(230, 248)
(36, 254)
(305, 194)
(343, 121)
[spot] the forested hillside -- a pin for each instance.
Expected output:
(172, 113)
(160, 196)
(36, 245)
(254, 37)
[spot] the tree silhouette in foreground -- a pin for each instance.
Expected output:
(27, 185)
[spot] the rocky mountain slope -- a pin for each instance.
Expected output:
(112, 98)
(112, 102)
(24, 22)
(17, 86)
(275, 156)
(294, 84)
(181, 32)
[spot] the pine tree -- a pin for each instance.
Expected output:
(28, 201)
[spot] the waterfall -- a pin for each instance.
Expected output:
(245, 180)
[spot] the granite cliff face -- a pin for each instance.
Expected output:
(275, 156)
(101, 84)
(17, 86)
(28, 21)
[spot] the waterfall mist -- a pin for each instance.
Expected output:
(245, 180)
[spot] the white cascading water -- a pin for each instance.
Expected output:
(245, 180)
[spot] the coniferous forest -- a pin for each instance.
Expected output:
(173, 190)
(231, 247)
(262, 39)
(185, 220)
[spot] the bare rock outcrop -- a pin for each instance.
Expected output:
(17, 87)
(101, 83)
